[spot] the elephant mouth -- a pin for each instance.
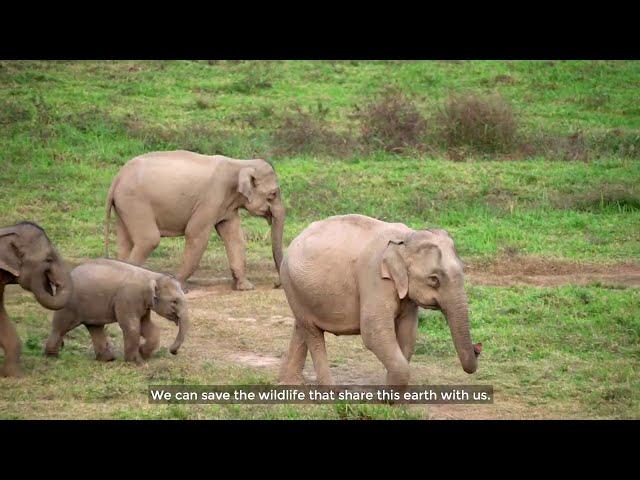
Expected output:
(49, 286)
(430, 306)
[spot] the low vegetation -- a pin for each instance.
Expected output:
(515, 159)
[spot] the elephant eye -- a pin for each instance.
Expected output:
(433, 281)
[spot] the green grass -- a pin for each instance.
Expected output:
(67, 127)
(573, 346)
(571, 352)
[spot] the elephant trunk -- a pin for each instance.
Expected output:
(456, 311)
(43, 281)
(277, 230)
(183, 326)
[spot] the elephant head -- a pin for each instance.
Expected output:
(27, 254)
(424, 266)
(259, 185)
(168, 301)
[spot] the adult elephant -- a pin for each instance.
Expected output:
(353, 274)
(28, 258)
(180, 193)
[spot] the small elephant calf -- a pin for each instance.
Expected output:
(109, 291)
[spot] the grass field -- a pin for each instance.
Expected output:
(563, 203)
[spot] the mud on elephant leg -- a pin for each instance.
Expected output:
(293, 364)
(101, 344)
(151, 334)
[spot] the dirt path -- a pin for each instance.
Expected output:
(252, 330)
(517, 270)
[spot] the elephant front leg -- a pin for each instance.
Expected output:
(151, 335)
(314, 338)
(406, 331)
(10, 343)
(234, 243)
(62, 323)
(130, 324)
(379, 336)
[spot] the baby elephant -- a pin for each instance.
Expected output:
(108, 291)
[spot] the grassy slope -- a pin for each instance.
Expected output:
(65, 128)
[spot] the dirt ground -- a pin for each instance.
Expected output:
(251, 331)
(229, 327)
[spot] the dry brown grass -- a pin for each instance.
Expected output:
(309, 132)
(392, 122)
(484, 124)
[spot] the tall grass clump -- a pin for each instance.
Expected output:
(483, 124)
(391, 122)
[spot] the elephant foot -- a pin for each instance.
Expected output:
(293, 380)
(138, 360)
(244, 285)
(277, 284)
(146, 354)
(105, 357)
(10, 370)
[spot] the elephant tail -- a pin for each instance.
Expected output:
(107, 219)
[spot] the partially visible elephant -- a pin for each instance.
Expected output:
(352, 274)
(171, 194)
(28, 258)
(109, 291)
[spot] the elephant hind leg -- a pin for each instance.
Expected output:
(293, 364)
(139, 221)
(101, 344)
(123, 240)
(314, 338)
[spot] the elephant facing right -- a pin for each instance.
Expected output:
(353, 274)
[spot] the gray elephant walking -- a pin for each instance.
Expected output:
(109, 291)
(352, 274)
(28, 258)
(180, 193)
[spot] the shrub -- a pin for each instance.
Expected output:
(391, 123)
(309, 132)
(621, 199)
(487, 124)
(13, 112)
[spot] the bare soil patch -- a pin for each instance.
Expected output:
(530, 270)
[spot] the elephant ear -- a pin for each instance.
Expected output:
(393, 267)
(152, 294)
(9, 254)
(246, 182)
